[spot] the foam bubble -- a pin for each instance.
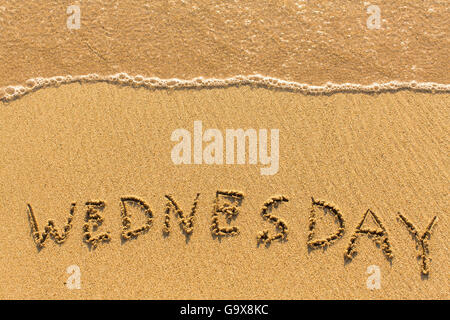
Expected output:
(10, 90)
(30, 83)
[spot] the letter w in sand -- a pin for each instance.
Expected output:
(50, 229)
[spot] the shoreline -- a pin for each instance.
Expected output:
(13, 92)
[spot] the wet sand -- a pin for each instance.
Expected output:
(100, 142)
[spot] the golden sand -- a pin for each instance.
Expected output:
(88, 182)
(88, 146)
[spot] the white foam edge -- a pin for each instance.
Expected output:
(15, 91)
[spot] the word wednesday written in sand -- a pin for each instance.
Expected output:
(226, 204)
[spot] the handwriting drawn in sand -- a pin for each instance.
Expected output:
(378, 234)
(186, 221)
(227, 205)
(328, 207)
(280, 224)
(93, 221)
(422, 241)
(126, 217)
(50, 229)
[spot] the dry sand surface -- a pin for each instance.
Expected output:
(77, 150)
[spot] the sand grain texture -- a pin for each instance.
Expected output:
(103, 142)
(97, 142)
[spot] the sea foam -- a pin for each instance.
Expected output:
(15, 91)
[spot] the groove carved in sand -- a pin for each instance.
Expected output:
(422, 240)
(312, 224)
(50, 229)
(93, 220)
(233, 199)
(186, 221)
(380, 237)
(126, 217)
(280, 224)
(227, 203)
